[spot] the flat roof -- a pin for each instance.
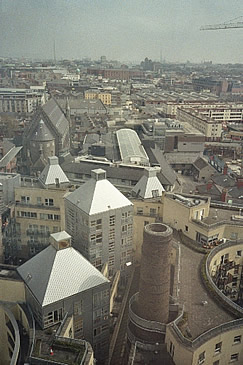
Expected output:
(201, 318)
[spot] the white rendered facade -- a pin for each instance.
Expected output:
(100, 219)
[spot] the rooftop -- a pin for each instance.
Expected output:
(130, 144)
(53, 274)
(192, 293)
(53, 173)
(98, 195)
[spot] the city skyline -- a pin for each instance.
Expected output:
(127, 31)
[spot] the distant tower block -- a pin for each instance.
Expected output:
(154, 285)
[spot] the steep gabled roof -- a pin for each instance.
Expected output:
(52, 172)
(56, 116)
(149, 185)
(41, 133)
(54, 275)
(98, 195)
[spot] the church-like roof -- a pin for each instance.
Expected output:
(98, 195)
(56, 116)
(55, 274)
(41, 133)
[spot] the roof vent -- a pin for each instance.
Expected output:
(98, 174)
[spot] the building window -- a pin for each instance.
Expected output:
(186, 228)
(155, 193)
(29, 214)
(77, 307)
(25, 199)
(237, 339)
(49, 202)
(139, 211)
(97, 331)
(234, 357)
(216, 362)
(218, 347)
(201, 358)
(145, 223)
(238, 253)
(38, 200)
(152, 212)
(112, 220)
(234, 235)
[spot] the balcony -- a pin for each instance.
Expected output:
(37, 206)
(31, 232)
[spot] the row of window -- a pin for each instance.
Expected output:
(22, 214)
(47, 201)
(152, 211)
(218, 350)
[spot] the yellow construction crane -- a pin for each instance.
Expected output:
(234, 23)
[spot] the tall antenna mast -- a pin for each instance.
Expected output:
(54, 51)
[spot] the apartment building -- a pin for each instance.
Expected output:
(100, 218)
(205, 324)
(104, 96)
(21, 100)
(116, 74)
(212, 129)
(70, 288)
(226, 113)
(39, 209)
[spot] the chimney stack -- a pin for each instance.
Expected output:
(154, 285)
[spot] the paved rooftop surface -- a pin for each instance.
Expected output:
(192, 292)
(218, 215)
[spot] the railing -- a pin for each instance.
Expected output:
(209, 278)
(206, 336)
(216, 224)
(15, 355)
(141, 344)
(32, 332)
(238, 323)
(37, 233)
(37, 206)
(145, 324)
(61, 325)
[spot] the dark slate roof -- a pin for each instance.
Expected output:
(200, 163)
(214, 190)
(236, 193)
(158, 158)
(9, 156)
(223, 180)
(41, 133)
(55, 115)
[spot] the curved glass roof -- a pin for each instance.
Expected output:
(130, 144)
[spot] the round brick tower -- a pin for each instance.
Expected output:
(154, 285)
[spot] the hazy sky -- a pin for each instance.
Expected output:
(121, 29)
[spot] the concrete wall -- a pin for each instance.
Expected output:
(184, 355)
(12, 290)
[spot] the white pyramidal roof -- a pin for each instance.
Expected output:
(98, 195)
(55, 274)
(149, 185)
(53, 173)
